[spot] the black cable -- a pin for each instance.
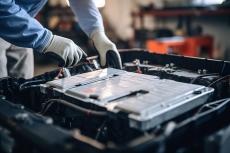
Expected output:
(223, 68)
(30, 83)
(219, 80)
(77, 108)
(29, 87)
(100, 130)
(201, 76)
(210, 105)
(46, 107)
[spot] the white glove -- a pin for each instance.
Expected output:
(65, 51)
(105, 46)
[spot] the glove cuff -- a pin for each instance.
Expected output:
(101, 41)
(45, 42)
(48, 44)
(96, 32)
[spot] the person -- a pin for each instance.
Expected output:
(20, 31)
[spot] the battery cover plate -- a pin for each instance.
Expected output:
(146, 99)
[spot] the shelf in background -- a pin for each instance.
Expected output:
(183, 12)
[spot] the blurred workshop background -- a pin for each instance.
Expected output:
(198, 28)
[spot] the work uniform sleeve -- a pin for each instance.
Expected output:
(88, 15)
(19, 28)
(32, 7)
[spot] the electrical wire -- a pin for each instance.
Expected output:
(27, 84)
(100, 130)
(201, 76)
(223, 68)
(212, 105)
(219, 80)
(73, 106)
(46, 107)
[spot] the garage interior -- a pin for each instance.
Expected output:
(186, 27)
(172, 94)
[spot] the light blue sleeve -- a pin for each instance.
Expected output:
(19, 28)
(88, 15)
(32, 7)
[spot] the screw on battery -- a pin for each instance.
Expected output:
(204, 71)
(197, 92)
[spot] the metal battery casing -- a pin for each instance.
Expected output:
(148, 100)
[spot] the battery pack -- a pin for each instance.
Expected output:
(148, 100)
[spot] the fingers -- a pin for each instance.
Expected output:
(118, 64)
(113, 59)
(75, 55)
(103, 45)
(102, 59)
(84, 54)
(65, 50)
(75, 60)
(80, 52)
(70, 58)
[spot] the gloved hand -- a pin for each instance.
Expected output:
(109, 56)
(65, 51)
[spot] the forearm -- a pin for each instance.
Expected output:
(19, 28)
(88, 14)
(91, 22)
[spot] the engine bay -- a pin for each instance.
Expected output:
(156, 103)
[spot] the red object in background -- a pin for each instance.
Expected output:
(188, 46)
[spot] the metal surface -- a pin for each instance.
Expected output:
(85, 78)
(147, 100)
